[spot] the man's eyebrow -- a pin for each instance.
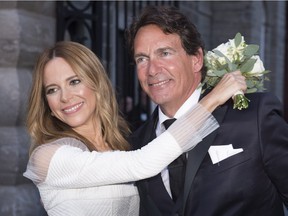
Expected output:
(162, 49)
(159, 50)
(140, 54)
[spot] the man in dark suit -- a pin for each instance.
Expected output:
(241, 168)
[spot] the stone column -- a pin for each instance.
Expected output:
(26, 29)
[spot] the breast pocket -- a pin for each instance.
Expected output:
(228, 163)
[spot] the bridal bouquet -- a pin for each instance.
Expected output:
(231, 56)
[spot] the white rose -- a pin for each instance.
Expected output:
(229, 50)
(213, 60)
(258, 68)
(223, 48)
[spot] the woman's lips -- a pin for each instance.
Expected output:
(73, 108)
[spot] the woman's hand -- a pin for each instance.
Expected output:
(230, 84)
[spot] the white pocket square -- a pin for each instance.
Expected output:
(219, 153)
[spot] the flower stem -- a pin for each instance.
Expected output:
(240, 102)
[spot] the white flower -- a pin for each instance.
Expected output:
(258, 68)
(214, 60)
(231, 51)
(231, 56)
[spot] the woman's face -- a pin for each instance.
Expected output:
(69, 99)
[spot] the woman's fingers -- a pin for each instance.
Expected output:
(230, 84)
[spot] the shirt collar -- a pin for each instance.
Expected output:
(188, 104)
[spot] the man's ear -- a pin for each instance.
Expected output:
(198, 60)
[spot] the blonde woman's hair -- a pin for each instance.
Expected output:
(43, 127)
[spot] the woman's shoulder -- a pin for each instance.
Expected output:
(41, 157)
(65, 141)
(69, 141)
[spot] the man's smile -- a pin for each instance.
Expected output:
(159, 83)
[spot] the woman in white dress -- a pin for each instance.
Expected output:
(80, 159)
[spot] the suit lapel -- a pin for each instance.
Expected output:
(151, 128)
(196, 155)
(147, 133)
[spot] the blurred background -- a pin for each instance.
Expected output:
(27, 27)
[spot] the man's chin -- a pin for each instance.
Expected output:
(161, 100)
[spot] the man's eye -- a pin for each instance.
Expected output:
(139, 60)
(75, 81)
(165, 53)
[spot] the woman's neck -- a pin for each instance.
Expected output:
(95, 137)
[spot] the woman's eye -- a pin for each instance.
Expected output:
(75, 81)
(51, 91)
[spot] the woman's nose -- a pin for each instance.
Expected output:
(66, 95)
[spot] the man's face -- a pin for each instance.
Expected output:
(165, 71)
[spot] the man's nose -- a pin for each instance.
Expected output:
(153, 68)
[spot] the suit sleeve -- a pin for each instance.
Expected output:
(273, 130)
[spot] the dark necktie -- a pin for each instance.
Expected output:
(176, 170)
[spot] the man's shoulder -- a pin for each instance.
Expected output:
(260, 102)
(147, 125)
(261, 95)
(142, 129)
(258, 98)
(137, 137)
(266, 99)
(143, 134)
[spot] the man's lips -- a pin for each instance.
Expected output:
(159, 83)
(73, 108)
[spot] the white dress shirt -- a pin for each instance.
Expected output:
(189, 103)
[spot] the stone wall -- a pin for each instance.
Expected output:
(26, 28)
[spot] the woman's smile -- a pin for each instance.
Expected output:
(73, 108)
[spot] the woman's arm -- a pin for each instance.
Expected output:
(66, 164)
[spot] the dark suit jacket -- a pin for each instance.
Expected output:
(251, 183)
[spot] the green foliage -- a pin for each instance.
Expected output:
(236, 55)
